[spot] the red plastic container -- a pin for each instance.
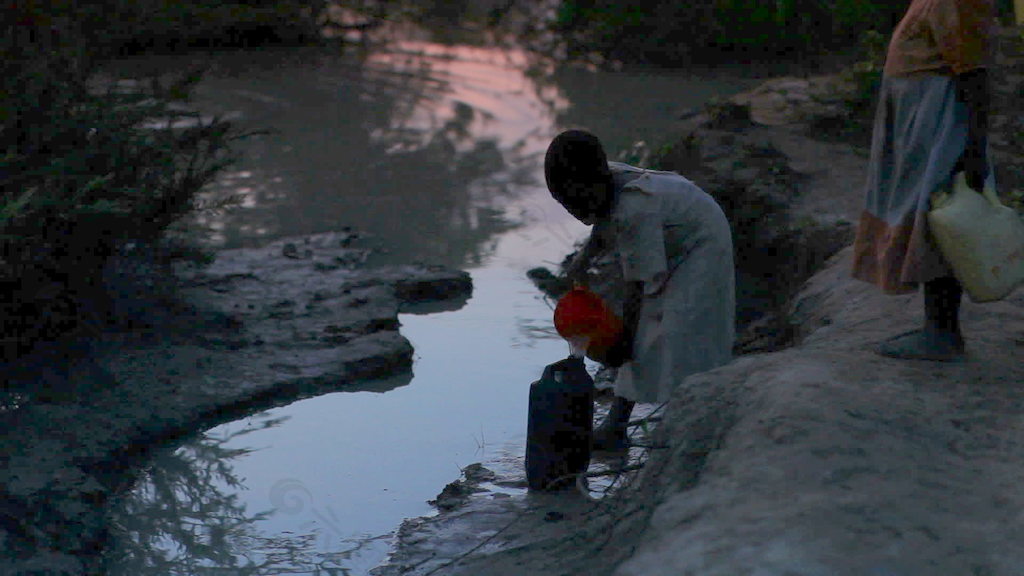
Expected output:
(581, 313)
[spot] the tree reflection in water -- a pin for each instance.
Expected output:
(185, 518)
(419, 144)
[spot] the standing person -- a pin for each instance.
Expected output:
(674, 245)
(932, 121)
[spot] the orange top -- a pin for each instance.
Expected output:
(942, 36)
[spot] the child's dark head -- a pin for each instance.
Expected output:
(577, 174)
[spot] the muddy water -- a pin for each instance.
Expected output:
(434, 153)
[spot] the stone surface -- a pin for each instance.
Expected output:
(829, 459)
(821, 459)
(789, 101)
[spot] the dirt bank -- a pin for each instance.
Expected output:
(257, 328)
(820, 459)
(814, 456)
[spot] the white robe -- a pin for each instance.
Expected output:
(673, 237)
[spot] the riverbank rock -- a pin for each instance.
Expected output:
(789, 101)
(824, 458)
(256, 328)
(828, 459)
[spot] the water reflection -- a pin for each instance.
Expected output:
(421, 145)
(651, 101)
(189, 514)
(184, 515)
(430, 148)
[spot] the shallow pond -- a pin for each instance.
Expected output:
(434, 152)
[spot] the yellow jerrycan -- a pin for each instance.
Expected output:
(982, 239)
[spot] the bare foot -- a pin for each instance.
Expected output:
(925, 345)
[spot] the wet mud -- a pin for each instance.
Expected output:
(256, 328)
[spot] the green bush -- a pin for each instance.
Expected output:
(865, 80)
(662, 32)
(677, 33)
(83, 167)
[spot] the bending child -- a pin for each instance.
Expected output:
(675, 248)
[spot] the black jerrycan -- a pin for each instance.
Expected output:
(560, 425)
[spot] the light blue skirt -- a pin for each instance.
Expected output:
(920, 133)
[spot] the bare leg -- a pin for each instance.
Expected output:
(611, 434)
(940, 338)
(942, 305)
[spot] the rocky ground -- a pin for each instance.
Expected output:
(256, 328)
(820, 459)
(810, 454)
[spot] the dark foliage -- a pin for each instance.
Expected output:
(679, 33)
(84, 166)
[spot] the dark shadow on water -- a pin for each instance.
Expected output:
(425, 308)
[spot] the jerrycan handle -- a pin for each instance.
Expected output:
(988, 192)
(556, 372)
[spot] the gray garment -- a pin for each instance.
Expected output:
(919, 134)
(673, 237)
